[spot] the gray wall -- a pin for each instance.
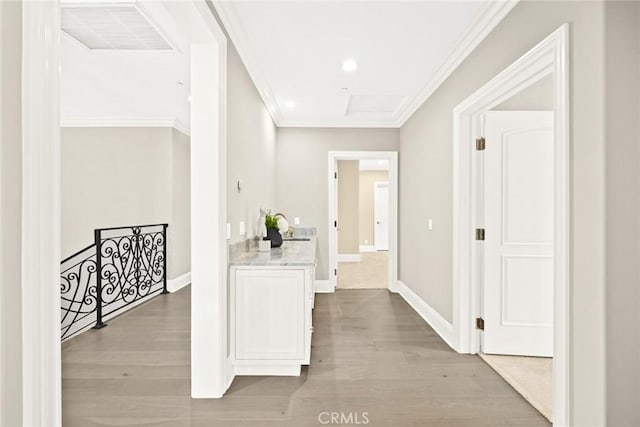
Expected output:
(426, 182)
(114, 177)
(623, 211)
(348, 209)
(10, 214)
(251, 149)
(180, 227)
(302, 174)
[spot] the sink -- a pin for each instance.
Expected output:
(296, 239)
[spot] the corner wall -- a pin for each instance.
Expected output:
(112, 177)
(426, 182)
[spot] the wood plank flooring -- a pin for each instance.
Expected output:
(371, 353)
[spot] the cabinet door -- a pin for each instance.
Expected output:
(269, 310)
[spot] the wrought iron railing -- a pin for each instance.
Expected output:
(123, 266)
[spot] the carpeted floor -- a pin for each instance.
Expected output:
(370, 273)
(532, 377)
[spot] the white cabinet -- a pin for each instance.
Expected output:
(271, 319)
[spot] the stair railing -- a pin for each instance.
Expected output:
(122, 268)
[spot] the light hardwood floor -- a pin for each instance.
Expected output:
(371, 353)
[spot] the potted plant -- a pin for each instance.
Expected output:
(273, 230)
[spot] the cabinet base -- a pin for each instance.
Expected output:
(275, 370)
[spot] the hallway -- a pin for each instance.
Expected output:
(371, 353)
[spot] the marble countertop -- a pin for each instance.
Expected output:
(291, 253)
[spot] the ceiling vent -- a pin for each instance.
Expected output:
(112, 27)
(373, 104)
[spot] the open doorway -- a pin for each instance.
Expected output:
(363, 224)
(363, 206)
(515, 187)
(511, 225)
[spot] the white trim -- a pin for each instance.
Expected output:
(551, 56)
(348, 257)
(368, 248)
(208, 53)
(392, 157)
(174, 285)
(115, 122)
(323, 287)
(486, 20)
(438, 323)
(41, 359)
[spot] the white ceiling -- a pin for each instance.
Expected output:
(295, 50)
(108, 86)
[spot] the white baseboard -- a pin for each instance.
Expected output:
(367, 248)
(323, 287)
(179, 282)
(432, 317)
(348, 257)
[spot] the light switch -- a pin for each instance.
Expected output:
(241, 230)
(296, 221)
(228, 231)
(430, 224)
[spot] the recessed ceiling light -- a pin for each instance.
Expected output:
(380, 162)
(349, 65)
(344, 89)
(290, 104)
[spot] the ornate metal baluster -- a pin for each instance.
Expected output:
(98, 241)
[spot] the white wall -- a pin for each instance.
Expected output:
(113, 177)
(426, 182)
(10, 214)
(251, 150)
(301, 173)
(623, 212)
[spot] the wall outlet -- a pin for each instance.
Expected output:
(430, 224)
(296, 221)
(366, 242)
(241, 229)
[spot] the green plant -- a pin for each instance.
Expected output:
(271, 221)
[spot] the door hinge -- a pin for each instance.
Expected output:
(480, 143)
(480, 323)
(335, 271)
(335, 224)
(479, 233)
(335, 175)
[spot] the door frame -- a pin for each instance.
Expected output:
(392, 157)
(40, 302)
(375, 188)
(549, 57)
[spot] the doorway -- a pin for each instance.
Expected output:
(541, 267)
(363, 220)
(363, 224)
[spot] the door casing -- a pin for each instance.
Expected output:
(549, 57)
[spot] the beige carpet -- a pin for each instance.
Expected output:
(370, 273)
(532, 377)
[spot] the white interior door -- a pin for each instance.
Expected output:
(517, 267)
(381, 216)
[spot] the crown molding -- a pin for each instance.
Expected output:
(116, 122)
(486, 20)
(231, 23)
